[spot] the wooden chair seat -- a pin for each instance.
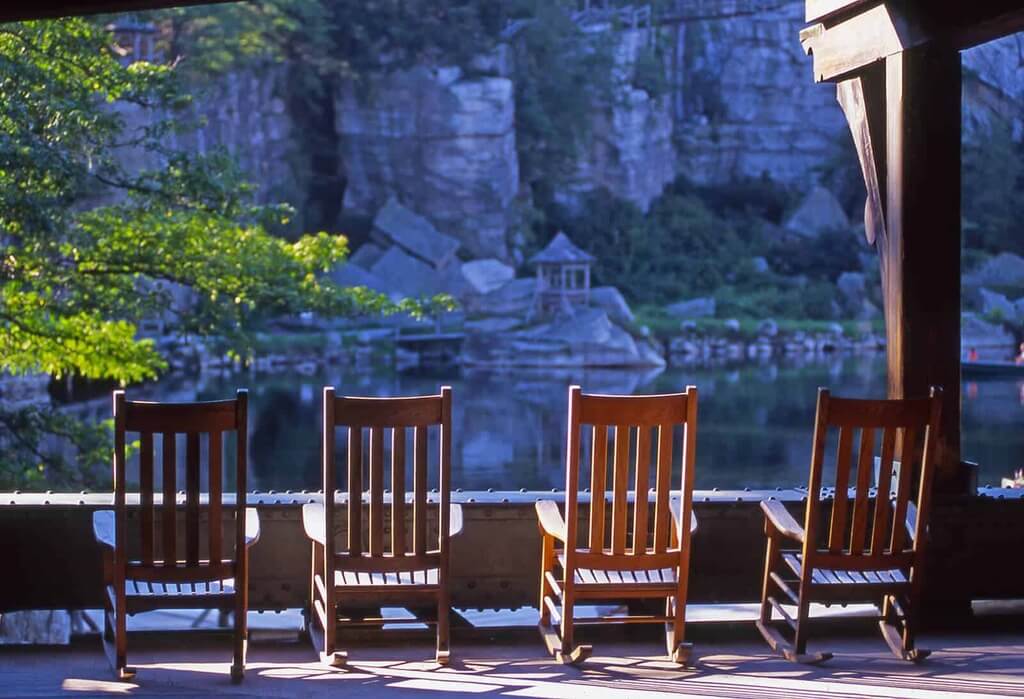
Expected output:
(604, 576)
(830, 576)
(145, 588)
(411, 579)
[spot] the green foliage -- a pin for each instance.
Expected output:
(822, 258)
(649, 71)
(91, 246)
(562, 74)
(340, 39)
(679, 248)
(993, 189)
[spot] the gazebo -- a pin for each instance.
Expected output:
(563, 277)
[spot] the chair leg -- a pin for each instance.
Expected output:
(443, 654)
(901, 641)
(115, 638)
(675, 632)
(241, 640)
(797, 650)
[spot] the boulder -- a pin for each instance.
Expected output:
(1018, 306)
(610, 300)
(485, 276)
(819, 211)
(976, 332)
(512, 299)
(406, 275)
(366, 256)
(495, 324)
(703, 307)
(350, 274)
(1005, 269)
(997, 306)
(395, 224)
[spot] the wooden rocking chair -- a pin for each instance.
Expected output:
(874, 553)
(158, 579)
(373, 572)
(650, 558)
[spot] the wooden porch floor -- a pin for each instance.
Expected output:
(197, 665)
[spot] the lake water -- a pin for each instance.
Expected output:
(755, 419)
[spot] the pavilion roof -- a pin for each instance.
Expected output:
(561, 250)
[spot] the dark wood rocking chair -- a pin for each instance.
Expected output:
(373, 572)
(874, 553)
(154, 576)
(642, 556)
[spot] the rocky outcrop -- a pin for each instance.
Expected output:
(628, 147)
(442, 143)
(586, 338)
(977, 333)
(1005, 269)
(398, 226)
(819, 212)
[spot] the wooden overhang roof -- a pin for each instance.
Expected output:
(16, 10)
(847, 35)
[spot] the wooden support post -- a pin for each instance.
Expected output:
(920, 251)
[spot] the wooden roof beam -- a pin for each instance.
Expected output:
(46, 9)
(848, 46)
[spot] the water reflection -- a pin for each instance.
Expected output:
(755, 419)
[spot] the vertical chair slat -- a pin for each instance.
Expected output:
(215, 488)
(903, 489)
(398, 491)
(882, 507)
(840, 505)
(376, 491)
(662, 512)
(192, 498)
(643, 463)
(419, 506)
(860, 504)
(355, 490)
(598, 480)
(146, 495)
(169, 511)
(620, 495)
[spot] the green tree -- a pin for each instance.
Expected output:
(992, 186)
(91, 246)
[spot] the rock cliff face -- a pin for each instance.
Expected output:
(745, 102)
(444, 145)
(740, 101)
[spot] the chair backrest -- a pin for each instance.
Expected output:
(903, 435)
(388, 424)
(642, 430)
(199, 424)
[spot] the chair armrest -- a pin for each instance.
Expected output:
(103, 527)
(252, 526)
(779, 519)
(313, 521)
(454, 519)
(677, 514)
(550, 519)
